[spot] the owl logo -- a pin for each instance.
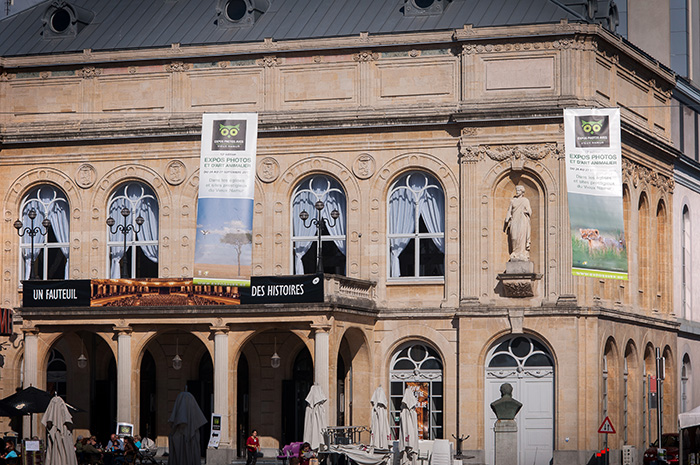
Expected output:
(591, 127)
(228, 131)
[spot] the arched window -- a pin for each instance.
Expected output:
(686, 264)
(305, 233)
(685, 388)
(141, 257)
(56, 374)
(416, 227)
(50, 250)
(419, 367)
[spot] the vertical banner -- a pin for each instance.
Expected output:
(223, 244)
(594, 184)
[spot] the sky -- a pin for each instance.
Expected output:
(16, 7)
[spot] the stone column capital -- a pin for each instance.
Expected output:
(219, 329)
(321, 327)
(122, 330)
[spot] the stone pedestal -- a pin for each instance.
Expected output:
(506, 442)
(519, 279)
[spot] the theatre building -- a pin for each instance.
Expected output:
(415, 120)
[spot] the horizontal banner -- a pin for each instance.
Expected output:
(72, 293)
(283, 289)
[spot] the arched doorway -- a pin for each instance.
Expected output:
(294, 392)
(528, 366)
(418, 366)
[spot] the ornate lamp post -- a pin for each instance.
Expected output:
(319, 222)
(124, 229)
(32, 231)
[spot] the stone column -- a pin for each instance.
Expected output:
(321, 358)
(221, 381)
(31, 357)
(506, 442)
(124, 371)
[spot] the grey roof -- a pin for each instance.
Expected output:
(134, 24)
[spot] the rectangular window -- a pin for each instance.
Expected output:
(689, 131)
(679, 36)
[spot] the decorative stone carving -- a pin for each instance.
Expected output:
(503, 152)
(86, 176)
(89, 72)
(559, 44)
(517, 225)
(364, 36)
(132, 69)
(268, 169)
(175, 172)
(519, 280)
(414, 53)
(177, 67)
(268, 61)
(364, 166)
(44, 75)
(636, 174)
(6, 77)
(365, 55)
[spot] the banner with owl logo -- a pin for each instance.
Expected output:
(594, 185)
(223, 244)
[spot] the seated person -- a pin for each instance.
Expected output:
(130, 450)
(305, 454)
(137, 441)
(10, 454)
(91, 451)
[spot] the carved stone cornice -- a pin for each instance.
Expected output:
(577, 43)
(89, 72)
(470, 154)
(635, 174)
(177, 67)
(365, 55)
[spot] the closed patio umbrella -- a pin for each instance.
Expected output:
(185, 421)
(379, 422)
(316, 418)
(59, 423)
(408, 427)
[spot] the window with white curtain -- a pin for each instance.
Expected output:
(50, 250)
(141, 257)
(333, 234)
(416, 227)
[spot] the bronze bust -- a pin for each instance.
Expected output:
(506, 408)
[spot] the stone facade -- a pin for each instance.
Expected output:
(480, 110)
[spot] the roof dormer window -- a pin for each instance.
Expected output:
(424, 7)
(239, 13)
(61, 19)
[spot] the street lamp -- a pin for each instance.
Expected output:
(319, 222)
(32, 231)
(124, 229)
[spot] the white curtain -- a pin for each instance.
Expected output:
(401, 221)
(336, 201)
(117, 252)
(432, 209)
(148, 209)
(60, 224)
(27, 255)
(302, 201)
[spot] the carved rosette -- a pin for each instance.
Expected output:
(364, 166)
(175, 172)
(365, 55)
(89, 72)
(177, 67)
(86, 176)
(268, 169)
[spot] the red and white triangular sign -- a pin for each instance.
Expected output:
(606, 427)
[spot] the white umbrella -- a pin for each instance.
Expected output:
(379, 422)
(60, 449)
(408, 427)
(316, 418)
(185, 421)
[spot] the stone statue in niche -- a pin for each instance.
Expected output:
(517, 226)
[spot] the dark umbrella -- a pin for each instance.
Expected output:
(8, 411)
(31, 400)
